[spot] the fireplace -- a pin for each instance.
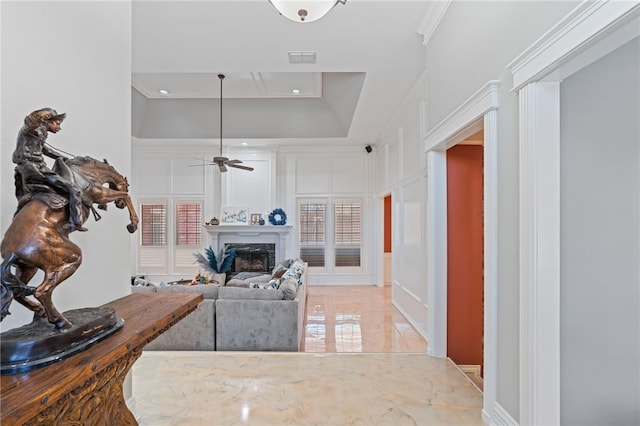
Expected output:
(252, 257)
(254, 241)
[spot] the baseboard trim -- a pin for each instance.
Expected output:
(471, 369)
(501, 417)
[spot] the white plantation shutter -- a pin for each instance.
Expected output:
(189, 224)
(153, 254)
(188, 235)
(312, 232)
(170, 237)
(154, 224)
(347, 233)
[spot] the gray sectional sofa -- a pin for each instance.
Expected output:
(239, 318)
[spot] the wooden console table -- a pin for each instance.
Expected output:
(86, 388)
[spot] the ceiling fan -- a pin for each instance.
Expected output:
(221, 161)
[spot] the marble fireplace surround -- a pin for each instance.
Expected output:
(219, 235)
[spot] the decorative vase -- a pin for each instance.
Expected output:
(261, 221)
(215, 221)
(218, 278)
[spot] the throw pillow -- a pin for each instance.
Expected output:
(295, 271)
(271, 284)
(245, 275)
(277, 274)
(289, 288)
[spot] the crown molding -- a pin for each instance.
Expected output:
(484, 100)
(434, 14)
(583, 27)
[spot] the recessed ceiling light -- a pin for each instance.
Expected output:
(245, 143)
(163, 92)
(295, 91)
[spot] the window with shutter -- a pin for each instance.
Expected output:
(347, 233)
(154, 224)
(171, 231)
(331, 241)
(188, 225)
(153, 252)
(311, 232)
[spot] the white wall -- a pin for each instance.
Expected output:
(76, 58)
(600, 241)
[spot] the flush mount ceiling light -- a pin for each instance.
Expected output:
(304, 10)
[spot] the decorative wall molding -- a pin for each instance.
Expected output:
(433, 16)
(447, 132)
(422, 110)
(417, 326)
(579, 30)
(501, 417)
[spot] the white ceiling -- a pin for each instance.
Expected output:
(369, 54)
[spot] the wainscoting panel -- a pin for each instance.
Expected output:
(152, 175)
(312, 175)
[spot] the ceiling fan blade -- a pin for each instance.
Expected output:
(233, 161)
(203, 163)
(240, 167)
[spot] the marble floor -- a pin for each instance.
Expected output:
(363, 364)
(357, 319)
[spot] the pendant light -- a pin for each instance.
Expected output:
(304, 10)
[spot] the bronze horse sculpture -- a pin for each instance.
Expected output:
(38, 236)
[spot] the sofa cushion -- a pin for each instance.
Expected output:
(257, 325)
(246, 275)
(195, 332)
(234, 282)
(143, 289)
(289, 288)
(209, 291)
(250, 293)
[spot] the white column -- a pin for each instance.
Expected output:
(437, 251)
(539, 254)
(490, 219)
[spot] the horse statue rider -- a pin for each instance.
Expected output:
(32, 173)
(38, 236)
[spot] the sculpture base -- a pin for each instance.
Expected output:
(40, 343)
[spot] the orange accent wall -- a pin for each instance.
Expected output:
(465, 282)
(387, 224)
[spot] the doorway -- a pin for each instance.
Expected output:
(387, 272)
(479, 112)
(465, 257)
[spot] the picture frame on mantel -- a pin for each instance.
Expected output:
(255, 218)
(234, 215)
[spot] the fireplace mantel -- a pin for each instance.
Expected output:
(248, 230)
(219, 235)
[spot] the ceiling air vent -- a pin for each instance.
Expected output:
(302, 57)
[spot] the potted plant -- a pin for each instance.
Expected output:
(217, 266)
